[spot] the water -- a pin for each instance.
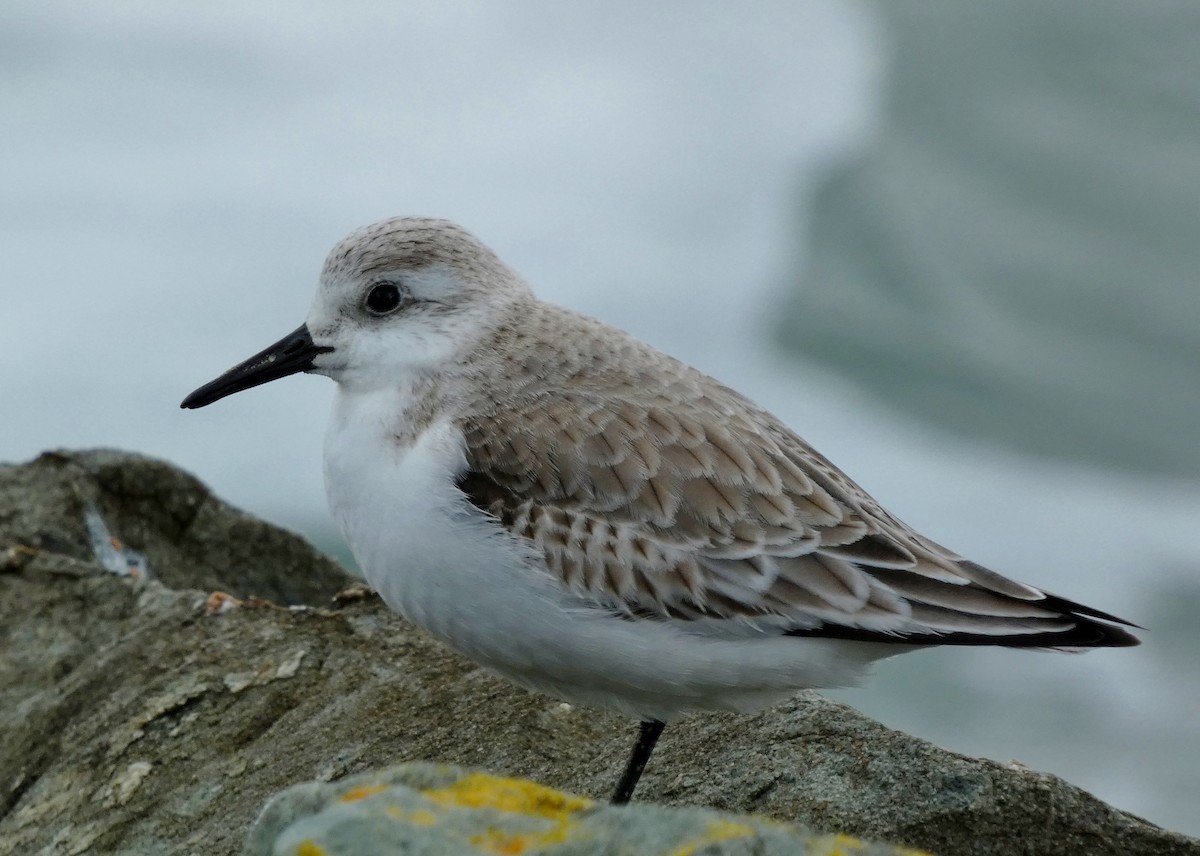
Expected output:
(1024, 232)
(174, 176)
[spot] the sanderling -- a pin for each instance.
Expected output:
(594, 519)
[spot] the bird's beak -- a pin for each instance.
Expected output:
(291, 354)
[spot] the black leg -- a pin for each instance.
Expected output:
(647, 737)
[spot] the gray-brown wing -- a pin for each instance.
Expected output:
(690, 502)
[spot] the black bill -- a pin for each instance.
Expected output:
(291, 354)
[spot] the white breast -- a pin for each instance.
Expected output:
(397, 507)
(447, 567)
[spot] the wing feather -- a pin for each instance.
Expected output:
(684, 501)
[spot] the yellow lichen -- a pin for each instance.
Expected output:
(506, 842)
(308, 847)
(513, 796)
(479, 790)
(716, 831)
(845, 845)
(842, 844)
(503, 843)
(423, 817)
(362, 792)
(420, 817)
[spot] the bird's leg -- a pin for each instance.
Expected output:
(647, 737)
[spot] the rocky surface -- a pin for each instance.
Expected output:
(440, 810)
(193, 540)
(143, 716)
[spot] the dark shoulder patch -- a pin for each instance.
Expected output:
(488, 496)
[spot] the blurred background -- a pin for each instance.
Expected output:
(953, 245)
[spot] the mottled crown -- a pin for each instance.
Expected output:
(410, 243)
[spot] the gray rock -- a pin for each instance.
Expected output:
(138, 716)
(440, 810)
(192, 539)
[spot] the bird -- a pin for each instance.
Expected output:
(596, 520)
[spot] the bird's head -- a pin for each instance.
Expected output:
(402, 295)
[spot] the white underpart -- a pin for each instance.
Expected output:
(447, 567)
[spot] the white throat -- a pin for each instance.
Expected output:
(431, 555)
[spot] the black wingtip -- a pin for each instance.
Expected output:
(1092, 629)
(1087, 633)
(1070, 607)
(1116, 637)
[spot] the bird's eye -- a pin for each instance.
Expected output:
(383, 298)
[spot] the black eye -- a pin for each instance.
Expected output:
(383, 298)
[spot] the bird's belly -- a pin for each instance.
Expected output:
(449, 568)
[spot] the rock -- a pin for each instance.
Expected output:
(439, 809)
(144, 716)
(192, 539)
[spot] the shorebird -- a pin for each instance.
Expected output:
(599, 521)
